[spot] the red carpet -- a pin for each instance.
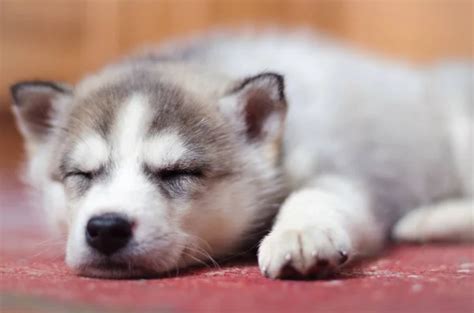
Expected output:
(429, 278)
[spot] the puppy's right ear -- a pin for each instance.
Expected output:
(37, 106)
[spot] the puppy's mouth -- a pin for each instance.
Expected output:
(132, 262)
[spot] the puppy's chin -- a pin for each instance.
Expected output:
(118, 270)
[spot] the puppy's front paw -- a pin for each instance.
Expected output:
(310, 252)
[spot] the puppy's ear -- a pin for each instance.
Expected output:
(258, 105)
(37, 106)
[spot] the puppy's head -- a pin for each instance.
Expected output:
(148, 173)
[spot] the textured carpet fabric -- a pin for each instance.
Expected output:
(428, 278)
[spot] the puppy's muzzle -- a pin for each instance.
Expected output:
(108, 233)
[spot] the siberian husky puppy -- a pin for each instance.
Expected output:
(204, 148)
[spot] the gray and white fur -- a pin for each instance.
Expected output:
(201, 148)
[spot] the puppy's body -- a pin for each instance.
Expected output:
(365, 142)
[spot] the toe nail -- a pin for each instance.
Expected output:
(344, 257)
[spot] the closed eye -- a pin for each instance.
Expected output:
(168, 174)
(80, 174)
(177, 181)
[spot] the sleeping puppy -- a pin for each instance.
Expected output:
(204, 148)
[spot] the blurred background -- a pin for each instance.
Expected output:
(64, 39)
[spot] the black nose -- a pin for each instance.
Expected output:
(108, 233)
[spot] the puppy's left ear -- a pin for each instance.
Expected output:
(38, 105)
(257, 105)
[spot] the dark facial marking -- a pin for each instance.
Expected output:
(207, 137)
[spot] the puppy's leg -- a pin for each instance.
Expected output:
(319, 228)
(451, 220)
(447, 221)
